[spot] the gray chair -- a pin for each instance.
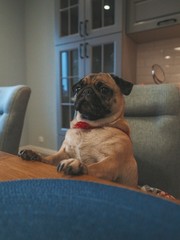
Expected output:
(13, 104)
(153, 113)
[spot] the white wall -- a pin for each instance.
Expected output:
(12, 44)
(40, 72)
(27, 57)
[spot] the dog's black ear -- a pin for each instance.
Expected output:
(124, 85)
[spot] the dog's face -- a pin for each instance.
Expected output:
(100, 95)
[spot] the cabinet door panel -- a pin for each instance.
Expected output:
(104, 55)
(150, 9)
(151, 14)
(103, 17)
(108, 63)
(96, 60)
(83, 19)
(96, 14)
(103, 58)
(69, 15)
(109, 13)
(102, 13)
(70, 68)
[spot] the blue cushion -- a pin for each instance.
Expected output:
(67, 209)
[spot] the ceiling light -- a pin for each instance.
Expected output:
(177, 48)
(167, 57)
(106, 7)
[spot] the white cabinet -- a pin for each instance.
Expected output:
(77, 20)
(88, 39)
(143, 15)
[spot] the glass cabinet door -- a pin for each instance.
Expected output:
(102, 17)
(103, 58)
(77, 20)
(70, 67)
(102, 13)
(103, 55)
(69, 20)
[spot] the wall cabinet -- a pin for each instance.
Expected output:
(143, 15)
(78, 20)
(88, 39)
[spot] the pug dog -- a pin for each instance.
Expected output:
(98, 142)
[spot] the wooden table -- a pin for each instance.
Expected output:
(14, 168)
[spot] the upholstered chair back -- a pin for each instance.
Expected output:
(13, 103)
(153, 113)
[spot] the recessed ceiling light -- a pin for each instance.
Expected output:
(106, 7)
(177, 48)
(167, 57)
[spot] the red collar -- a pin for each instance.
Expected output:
(83, 125)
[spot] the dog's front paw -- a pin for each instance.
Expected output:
(29, 155)
(72, 167)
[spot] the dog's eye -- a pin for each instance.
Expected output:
(77, 89)
(104, 90)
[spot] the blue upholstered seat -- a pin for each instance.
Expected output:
(13, 103)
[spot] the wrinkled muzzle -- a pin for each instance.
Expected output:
(90, 104)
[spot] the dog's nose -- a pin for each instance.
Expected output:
(88, 91)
